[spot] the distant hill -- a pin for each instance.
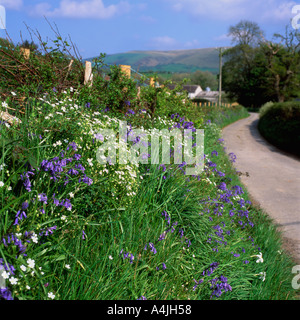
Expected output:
(168, 61)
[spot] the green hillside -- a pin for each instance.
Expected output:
(206, 59)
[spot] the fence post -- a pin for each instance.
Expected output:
(126, 70)
(138, 92)
(151, 82)
(25, 52)
(88, 75)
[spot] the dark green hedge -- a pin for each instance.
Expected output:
(280, 125)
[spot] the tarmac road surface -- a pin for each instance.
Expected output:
(272, 178)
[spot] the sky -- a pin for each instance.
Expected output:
(117, 26)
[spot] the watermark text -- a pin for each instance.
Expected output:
(296, 18)
(2, 18)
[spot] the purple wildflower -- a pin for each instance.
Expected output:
(167, 217)
(219, 285)
(72, 145)
(5, 294)
(25, 205)
(86, 180)
(27, 185)
(151, 246)
(72, 172)
(43, 197)
(76, 156)
(197, 283)
(19, 216)
(99, 136)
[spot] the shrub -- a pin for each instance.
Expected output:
(279, 124)
(265, 107)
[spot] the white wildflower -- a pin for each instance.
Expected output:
(1, 184)
(71, 194)
(67, 266)
(13, 280)
(34, 238)
(23, 268)
(262, 276)
(31, 263)
(51, 295)
(260, 258)
(5, 275)
(4, 104)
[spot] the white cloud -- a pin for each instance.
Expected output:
(81, 9)
(192, 44)
(281, 12)
(221, 9)
(163, 43)
(169, 43)
(223, 37)
(12, 4)
(147, 19)
(235, 10)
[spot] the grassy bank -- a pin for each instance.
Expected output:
(223, 116)
(73, 228)
(78, 223)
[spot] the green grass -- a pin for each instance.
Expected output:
(190, 221)
(223, 116)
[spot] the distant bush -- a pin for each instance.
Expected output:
(265, 107)
(279, 124)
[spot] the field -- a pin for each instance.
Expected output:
(168, 61)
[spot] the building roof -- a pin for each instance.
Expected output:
(188, 88)
(208, 94)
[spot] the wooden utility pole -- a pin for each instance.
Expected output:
(220, 76)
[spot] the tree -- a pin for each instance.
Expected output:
(243, 76)
(246, 33)
(202, 78)
(283, 64)
(266, 71)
